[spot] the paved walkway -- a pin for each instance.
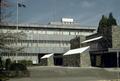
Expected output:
(69, 74)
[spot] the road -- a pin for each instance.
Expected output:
(69, 74)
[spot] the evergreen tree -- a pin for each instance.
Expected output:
(111, 20)
(105, 29)
(106, 23)
(102, 24)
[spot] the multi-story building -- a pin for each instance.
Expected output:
(43, 39)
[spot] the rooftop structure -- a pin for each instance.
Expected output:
(67, 20)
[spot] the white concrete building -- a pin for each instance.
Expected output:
(44, 39)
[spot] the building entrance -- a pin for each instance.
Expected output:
(58, 60)
(104, 60)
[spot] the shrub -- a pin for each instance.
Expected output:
(17, 67)
(1, 63)
(18, 70)
(29, 63)
(25, 62)
(7, 63)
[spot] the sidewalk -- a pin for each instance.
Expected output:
(113, 69)
(59, 73)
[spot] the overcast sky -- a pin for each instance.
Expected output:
(86, 12)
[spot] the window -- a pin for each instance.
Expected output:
(50, 32)
(65, 33)
(72, 33)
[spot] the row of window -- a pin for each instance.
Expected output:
(21, 54)
(45, 44)
(56, 32)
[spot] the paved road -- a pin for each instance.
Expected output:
(68, 74)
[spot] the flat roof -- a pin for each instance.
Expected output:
(93, 39)
(47, 56)
(76, 51)
(72, 26)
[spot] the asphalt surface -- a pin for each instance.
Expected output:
(69, 74)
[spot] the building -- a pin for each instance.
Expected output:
(44, 39)
(104, 47)
(100, 45)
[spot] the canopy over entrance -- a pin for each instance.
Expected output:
(76, 51)
(93, 39)
(47, 56)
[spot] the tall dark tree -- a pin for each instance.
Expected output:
(111, 20)
(102, 24)
(105, 29)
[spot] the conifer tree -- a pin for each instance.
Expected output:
(111, 20)
(102, 24)
(105, 29)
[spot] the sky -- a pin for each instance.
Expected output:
(86, 12)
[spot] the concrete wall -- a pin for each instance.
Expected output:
(72, 60)
(77, 60)
(85, 59)
(47, 61)
(115, 37)
(50, 61)
(76, 42)
(43, 62)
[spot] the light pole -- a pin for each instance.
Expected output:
(19, 4)
(17, 22)
(17, 17)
